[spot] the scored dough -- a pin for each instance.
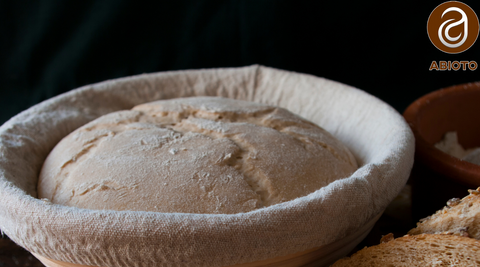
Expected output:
(193, 155)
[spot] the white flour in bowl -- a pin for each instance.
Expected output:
(450, 145)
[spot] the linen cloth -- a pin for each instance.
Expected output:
(376, 134)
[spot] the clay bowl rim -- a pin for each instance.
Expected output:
(455, 169)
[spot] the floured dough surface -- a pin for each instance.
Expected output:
(193, 155)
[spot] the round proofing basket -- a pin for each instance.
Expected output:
(329, 221)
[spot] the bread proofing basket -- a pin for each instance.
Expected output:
(328, 222)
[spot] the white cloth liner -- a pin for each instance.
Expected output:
(376, 134)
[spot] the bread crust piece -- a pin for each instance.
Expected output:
(418, 250)
(460, 217)
(193, 155)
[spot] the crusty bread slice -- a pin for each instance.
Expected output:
(460, 217)
(418, 250)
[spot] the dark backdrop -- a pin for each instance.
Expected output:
(52, 46)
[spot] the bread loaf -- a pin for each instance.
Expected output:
(193, 155)
(419, 250)
(460, 217)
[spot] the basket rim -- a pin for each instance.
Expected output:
(63, 222)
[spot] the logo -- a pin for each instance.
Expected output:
(453, 27)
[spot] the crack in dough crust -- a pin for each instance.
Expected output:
(193, 155)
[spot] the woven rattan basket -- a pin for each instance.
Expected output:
(316, 229)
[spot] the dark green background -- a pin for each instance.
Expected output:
(49, 47)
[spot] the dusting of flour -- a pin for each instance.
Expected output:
(450, 145)
(193, 155)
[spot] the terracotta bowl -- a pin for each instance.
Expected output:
(438, 176)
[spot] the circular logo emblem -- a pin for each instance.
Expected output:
(453, 27)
